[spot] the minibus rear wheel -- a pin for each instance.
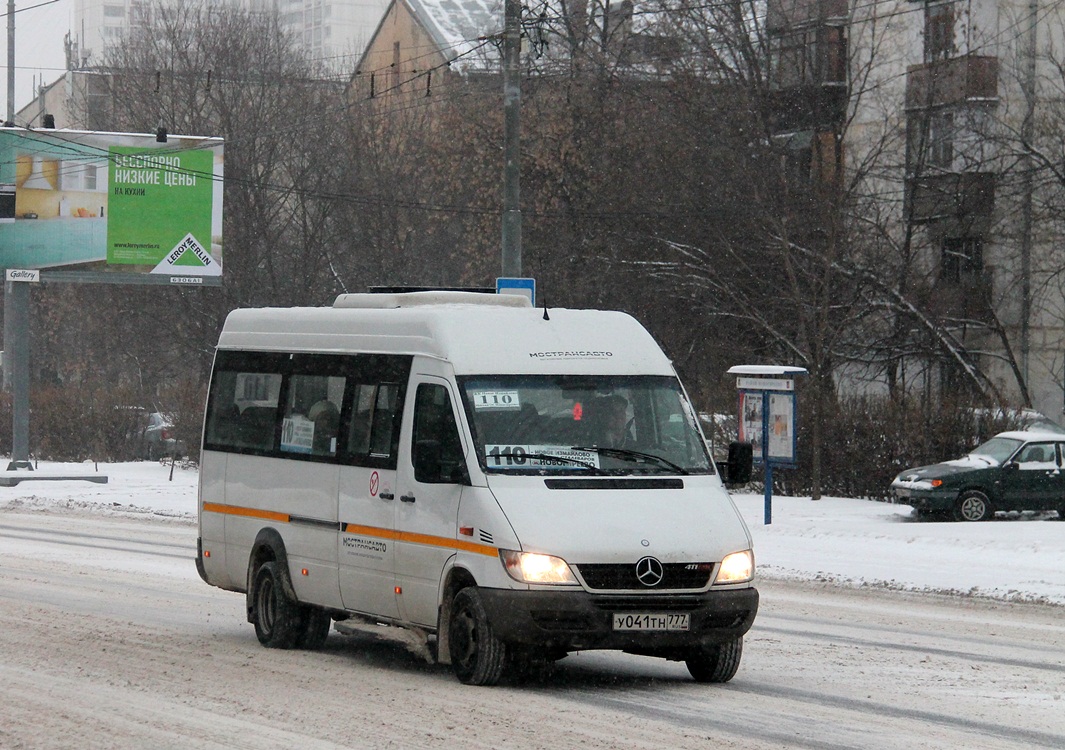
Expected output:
(478, 656)
(278, 621)
(716, 662)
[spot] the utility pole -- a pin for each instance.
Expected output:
(7, 290)
(10, 118)
(1028, 88)
(10, 60)
(16, 311)
(511, 138)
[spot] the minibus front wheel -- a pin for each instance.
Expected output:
(478, 656)
(716, 662)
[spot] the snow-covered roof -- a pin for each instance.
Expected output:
(1031, 435)
(459, 26)
(766, 370)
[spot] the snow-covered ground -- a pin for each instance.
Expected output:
(855, 542)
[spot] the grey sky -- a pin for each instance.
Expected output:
(39, 55)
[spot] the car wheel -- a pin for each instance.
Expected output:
(716, 662)
(278, 619)
(477, 654)
(973, 505)
(315, 628)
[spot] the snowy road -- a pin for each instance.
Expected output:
(108, 639)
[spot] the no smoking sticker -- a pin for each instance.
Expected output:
(375, 484)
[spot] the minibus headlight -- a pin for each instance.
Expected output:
(737, 567)
(530, 567)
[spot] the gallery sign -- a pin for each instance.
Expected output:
(111, 203)
(23, 274)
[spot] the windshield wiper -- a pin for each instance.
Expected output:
(556, 460)
(637, 456)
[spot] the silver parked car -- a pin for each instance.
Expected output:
(158, 438)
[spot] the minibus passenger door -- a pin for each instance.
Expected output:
(367, 510)
(430, 485)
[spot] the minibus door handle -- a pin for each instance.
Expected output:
(387, 496)
(406, 498)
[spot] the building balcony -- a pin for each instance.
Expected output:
(971, 78)
(784, 15)
(808, 107)
(956, 195)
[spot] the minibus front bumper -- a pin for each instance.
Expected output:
(578, 620)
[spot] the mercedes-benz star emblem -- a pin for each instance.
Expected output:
(649, 571)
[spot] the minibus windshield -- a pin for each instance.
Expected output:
(551, 424)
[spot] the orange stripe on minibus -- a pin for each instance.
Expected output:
(354, 528)
(428, 540)
(236, 510)
(351, 528)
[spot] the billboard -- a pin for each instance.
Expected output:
(111, 206)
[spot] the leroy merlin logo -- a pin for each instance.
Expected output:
(189, 257)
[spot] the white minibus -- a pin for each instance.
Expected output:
(513, 483)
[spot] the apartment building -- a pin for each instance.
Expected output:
(944, 117)
(333, 32)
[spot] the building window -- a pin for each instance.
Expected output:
(796, 158)
(114, 11)
(832, 51)
(812, 56)
(941, 140)
(962, 259)
(140, 14)
(938, 32)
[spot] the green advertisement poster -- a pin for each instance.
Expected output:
(160, 206)
(113, 207)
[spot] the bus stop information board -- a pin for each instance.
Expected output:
(767, 405)
(767, 410)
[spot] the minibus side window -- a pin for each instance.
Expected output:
(311, 418)
(255, 425)
(243, 403)
(361, 418)
(373, 420)
(437, 449)
(383, 424)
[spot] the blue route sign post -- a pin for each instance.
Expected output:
(767, 418)
(522, 286)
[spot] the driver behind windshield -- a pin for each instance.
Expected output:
(609, 420)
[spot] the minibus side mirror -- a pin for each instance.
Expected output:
(430, 467)
(740, 464)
